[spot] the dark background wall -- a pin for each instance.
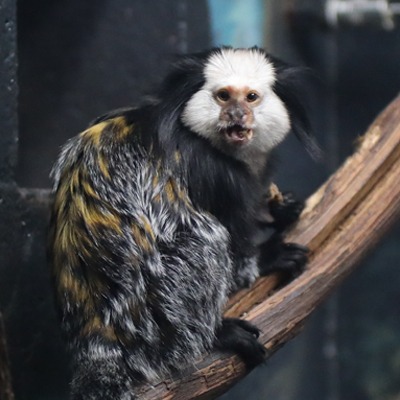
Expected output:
(78, 59)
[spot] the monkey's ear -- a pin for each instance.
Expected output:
(288, 87)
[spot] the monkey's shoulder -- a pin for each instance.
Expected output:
(114, 129)
(107, 165)
(108, 147)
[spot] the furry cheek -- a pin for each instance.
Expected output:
(201, 114)
(272, 120)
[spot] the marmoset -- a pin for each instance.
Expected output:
(156, 218)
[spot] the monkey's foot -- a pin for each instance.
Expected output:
(288, 258)
(285, 211)
(239, 336)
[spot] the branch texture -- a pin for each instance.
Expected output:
(342, 221)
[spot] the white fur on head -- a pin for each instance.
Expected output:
(239, 68)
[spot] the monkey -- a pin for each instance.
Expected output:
(156, 220)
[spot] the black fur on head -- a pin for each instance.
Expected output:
(288, 87)
(183, 80)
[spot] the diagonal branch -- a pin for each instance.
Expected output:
(343, 220)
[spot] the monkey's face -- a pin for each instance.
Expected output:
(236, 119)
(237, 108)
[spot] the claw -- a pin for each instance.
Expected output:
(240, 336)
(289, 258)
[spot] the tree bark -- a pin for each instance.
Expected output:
(342, 221)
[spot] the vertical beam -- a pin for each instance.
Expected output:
(8, 147)
(6, 392)
(8, 91)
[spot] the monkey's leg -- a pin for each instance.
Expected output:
(239, 336)
(101, 376)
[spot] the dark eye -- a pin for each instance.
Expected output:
(223, 95)
(252, 96)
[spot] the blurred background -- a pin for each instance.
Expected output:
(78, 59)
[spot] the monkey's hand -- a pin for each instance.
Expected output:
(285, 210)
(278, 256)
(239, 336)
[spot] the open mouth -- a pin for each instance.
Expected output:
(237, 134)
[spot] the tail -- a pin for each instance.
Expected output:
(102, 376)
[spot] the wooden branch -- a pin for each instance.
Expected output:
(6, 392)
(341, 222)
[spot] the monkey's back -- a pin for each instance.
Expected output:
(140, 275)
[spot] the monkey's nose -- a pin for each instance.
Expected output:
(237, 114)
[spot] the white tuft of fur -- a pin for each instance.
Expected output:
(240, 69)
